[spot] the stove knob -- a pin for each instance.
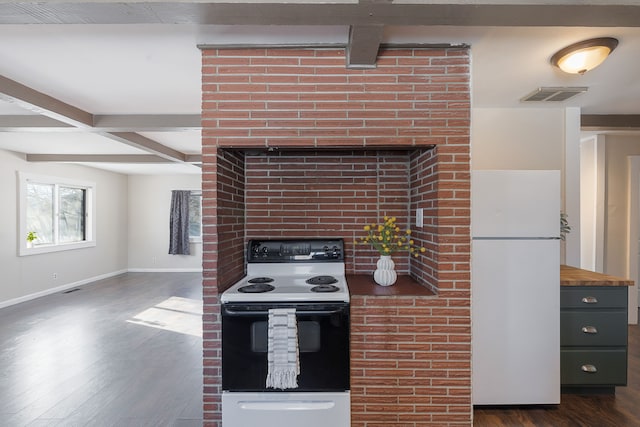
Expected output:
(326, 248)
(255, 251)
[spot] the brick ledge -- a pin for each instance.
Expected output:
(363, 285)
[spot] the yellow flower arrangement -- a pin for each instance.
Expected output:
(387, 238)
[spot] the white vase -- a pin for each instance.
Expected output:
(385, 274)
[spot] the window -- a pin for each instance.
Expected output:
(59, 212)
(195, 216)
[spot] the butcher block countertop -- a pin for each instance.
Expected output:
(363, 284)
(572, 276)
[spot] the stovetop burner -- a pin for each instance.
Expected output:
(256, 288)
(322, 280)
(260, 280)
(325, 288)
(291, 271)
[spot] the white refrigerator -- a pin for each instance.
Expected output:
(515, 276)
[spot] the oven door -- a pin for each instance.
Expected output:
(323, 341)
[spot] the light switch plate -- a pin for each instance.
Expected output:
(419, 217)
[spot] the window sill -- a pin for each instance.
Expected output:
(36, 250)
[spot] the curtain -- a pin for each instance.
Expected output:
(179, 223)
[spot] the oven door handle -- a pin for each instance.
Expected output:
(277, 405)
(266, 312)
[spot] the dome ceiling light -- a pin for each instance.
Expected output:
(583, 56)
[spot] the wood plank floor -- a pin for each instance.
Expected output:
(619, 410)
(123, 351)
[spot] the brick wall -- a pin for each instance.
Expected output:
(223, 231)
(328, 194)
(410, 355)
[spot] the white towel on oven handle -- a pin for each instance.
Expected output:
(283, 356)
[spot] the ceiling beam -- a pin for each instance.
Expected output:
(147, 122)
(364, 43)
(372, 12)
(38, 102)
(33, 123)
(142, 142)
(386, 13)
(194, 159)
(104, 123)
(97, 158)
(600, 122)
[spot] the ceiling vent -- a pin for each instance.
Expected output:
(553, 94)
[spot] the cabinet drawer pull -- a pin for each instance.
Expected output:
(589, 369)
(590, 300)
(589, 330)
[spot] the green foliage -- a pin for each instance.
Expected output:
(564, 226)
(387, 238)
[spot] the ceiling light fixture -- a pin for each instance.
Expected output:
(583, 56)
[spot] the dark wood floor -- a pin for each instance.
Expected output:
(77, 359)
(619, 410)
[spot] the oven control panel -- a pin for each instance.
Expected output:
(307, 250)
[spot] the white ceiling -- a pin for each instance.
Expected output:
(155, 69)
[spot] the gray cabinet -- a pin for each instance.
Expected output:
(593, 337)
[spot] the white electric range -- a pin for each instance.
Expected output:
(308, 276)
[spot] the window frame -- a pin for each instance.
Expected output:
(90, 214)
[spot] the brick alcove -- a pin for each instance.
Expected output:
(295, 145)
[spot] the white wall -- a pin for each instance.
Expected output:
(149, 204)
(592, 202)
(21, 277)
(528, 139)
(618, 148)
(571, 187)
(633, 248)
(523, 138)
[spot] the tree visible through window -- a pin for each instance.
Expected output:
(59, 213)
(56, 213)
(40, 212)
(195, 215)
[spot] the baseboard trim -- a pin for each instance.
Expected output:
(90, 280)
(57, 289)
(165, 270)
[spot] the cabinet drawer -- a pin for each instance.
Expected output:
(593, 297)
(593, 328)
(609, 367)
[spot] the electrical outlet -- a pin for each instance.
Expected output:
(419, 217)
(55, 276)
